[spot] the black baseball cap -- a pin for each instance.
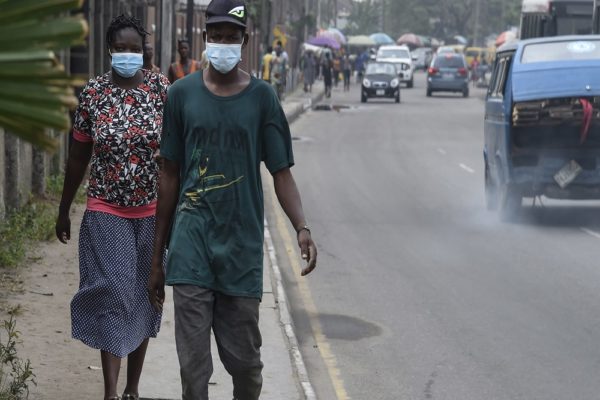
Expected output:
(233, 11)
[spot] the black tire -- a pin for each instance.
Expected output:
(429, 92)
(411, 83)
(491, 196)
(509, 202)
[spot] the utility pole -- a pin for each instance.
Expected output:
(318, 14)
(335, 13)
(306, 14)
(189, 26)
(476, 24)
(167, 13)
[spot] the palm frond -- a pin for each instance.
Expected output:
(35, 91)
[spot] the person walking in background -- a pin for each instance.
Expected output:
(326, 72)
(475, 70)
(347, 71)
(148, 56)
(279, 71)
(337, 69)
(266, 65)
(185, 65)
(308, 70)
(211, 181)
(118, 127)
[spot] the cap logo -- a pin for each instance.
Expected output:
(238, 12)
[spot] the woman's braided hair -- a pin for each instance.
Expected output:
(123, 22)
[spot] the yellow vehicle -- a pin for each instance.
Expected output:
(471, 52)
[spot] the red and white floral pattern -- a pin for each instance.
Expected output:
(125, 126)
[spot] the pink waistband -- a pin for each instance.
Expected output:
(148, 210)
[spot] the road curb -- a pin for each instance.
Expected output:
(300, 108)
(285, 319)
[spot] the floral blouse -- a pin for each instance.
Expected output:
(125, 126)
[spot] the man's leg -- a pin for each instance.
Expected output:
(193, 320)
(238, 338)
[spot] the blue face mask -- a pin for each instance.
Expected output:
(127, 64)
(224, 57)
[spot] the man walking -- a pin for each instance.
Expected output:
(186, 65)
(219, 125)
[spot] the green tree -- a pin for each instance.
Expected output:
(364, 17)
(446, 18)
(35, 90)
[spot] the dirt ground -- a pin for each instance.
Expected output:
(65, 368)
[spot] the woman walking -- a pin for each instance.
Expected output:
(117, 126)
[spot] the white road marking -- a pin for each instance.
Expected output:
(442, 151)
(469, 170)
(591, 232)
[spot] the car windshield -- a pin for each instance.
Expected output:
(393, 53)
(380, 68)
(449, 62)
(561, 51)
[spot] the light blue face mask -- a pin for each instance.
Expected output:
(224, 57)
(127, 64)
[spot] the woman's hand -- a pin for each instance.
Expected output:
(63, 227)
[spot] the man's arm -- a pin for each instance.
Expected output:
(168, 193)
(289, 198)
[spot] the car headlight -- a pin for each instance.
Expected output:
(394, 83)
(366, 83)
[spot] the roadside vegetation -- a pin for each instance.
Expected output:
(19, 232)
(16, 374)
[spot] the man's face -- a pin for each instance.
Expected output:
(225, 33)
(148, 51)
(184, 49)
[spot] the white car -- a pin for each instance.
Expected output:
(399, 55)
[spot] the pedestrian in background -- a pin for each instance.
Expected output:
(337, 69)
(266, 65)
(211, 179)
(185, 65)
(347, 71)
(148, 56)
(279, 71)
(118, 127)
(308, 70)
(326, 71)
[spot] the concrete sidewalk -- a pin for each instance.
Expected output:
(283, 366)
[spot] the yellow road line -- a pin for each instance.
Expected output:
(324, 348)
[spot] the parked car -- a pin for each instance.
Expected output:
(423, 57)
(381, 80)
(399, 55)
(448, 73)
(542, 130)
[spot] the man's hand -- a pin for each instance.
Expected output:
(156, 287)
(308, 250)
(63, 227)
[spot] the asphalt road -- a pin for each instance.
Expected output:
(420, 292)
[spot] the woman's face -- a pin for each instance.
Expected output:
(127, 40)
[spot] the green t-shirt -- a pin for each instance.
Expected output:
(219, 143)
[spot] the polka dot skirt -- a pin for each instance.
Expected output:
(111, 311)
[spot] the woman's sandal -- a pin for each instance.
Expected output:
(129, 396)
